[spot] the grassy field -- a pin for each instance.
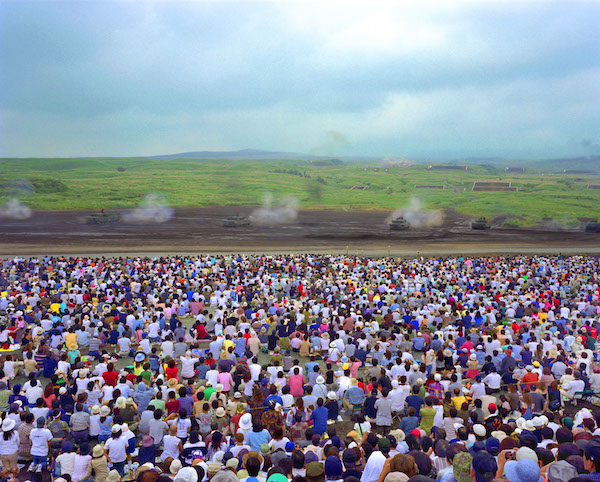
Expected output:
(69, 184)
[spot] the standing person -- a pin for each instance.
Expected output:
(40, 445)
(384, 411)
(319, 418)
(98, 465)
(9, 444)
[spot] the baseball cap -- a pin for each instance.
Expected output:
(492, 445)
(560, 471)
(484, 466)
(333, 467)
(384, 444)
(591, 448)
(461, 466)
(315, 472)
(349, 458)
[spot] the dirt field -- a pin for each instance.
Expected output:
(194, 230)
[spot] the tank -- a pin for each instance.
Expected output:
(102, 218)
(399, 224)
(592, 227)
(481, 223)
(236, 221)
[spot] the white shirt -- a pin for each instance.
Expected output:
(116, 449)
(39, 441)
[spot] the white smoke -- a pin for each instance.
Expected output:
(152, 209)
(390, 161)
(271, 214)
(417, 216)
(15, 209)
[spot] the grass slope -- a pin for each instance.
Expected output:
(123, 182)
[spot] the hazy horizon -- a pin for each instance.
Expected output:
(442, 80)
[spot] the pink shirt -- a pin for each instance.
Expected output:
(296, 383)
(225, 380)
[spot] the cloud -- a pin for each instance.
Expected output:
(86, 78)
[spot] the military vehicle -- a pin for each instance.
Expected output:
(102, 218)
(399, 224)
(593, 227)
(481, 223)
(236, 221)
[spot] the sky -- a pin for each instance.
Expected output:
(443, 80)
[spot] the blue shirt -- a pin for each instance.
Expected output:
(256, 439)
(319, 418)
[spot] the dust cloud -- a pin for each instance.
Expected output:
(275, 214)
(152, 209)
(15, 209)
(416, 214)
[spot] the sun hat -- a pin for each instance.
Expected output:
(113, 476)
(115, 428)
(253, 454)
(171, 383)
(98, 450)
(331, 395)
(120, 403)
(220, 412)
(213, 468)
(461, 466)
(237, 395)
(186, 474)
(95, 410)
(246, 421)
(264, 449)
(8, 424)
(219, 387)
(139, 357)
(104, 411)
(320, 379)
(522, 471)
(129, 401)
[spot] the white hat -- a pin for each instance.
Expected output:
(115, 428)
(332, 395)
(479, 430)
(526, 453)
(473, 357)
(437, 377)
(104, 411)
(320, 379)
(528, 425)
(8, 424)
(537, 422)
(219, 387)
(63, 390)
(246, 421)
(520, 422)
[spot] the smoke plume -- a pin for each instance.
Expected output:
(152, 209)
(271, 214)
(15, 209)
(417, 216)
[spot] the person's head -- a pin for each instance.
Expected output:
(591, 454)
(484, 466)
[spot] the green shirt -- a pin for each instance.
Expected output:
(427, 416)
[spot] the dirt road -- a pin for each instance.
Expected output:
(199, 230)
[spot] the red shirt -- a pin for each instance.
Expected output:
(171, 372)
(110, 378)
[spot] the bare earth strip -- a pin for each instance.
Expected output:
(199, 230)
